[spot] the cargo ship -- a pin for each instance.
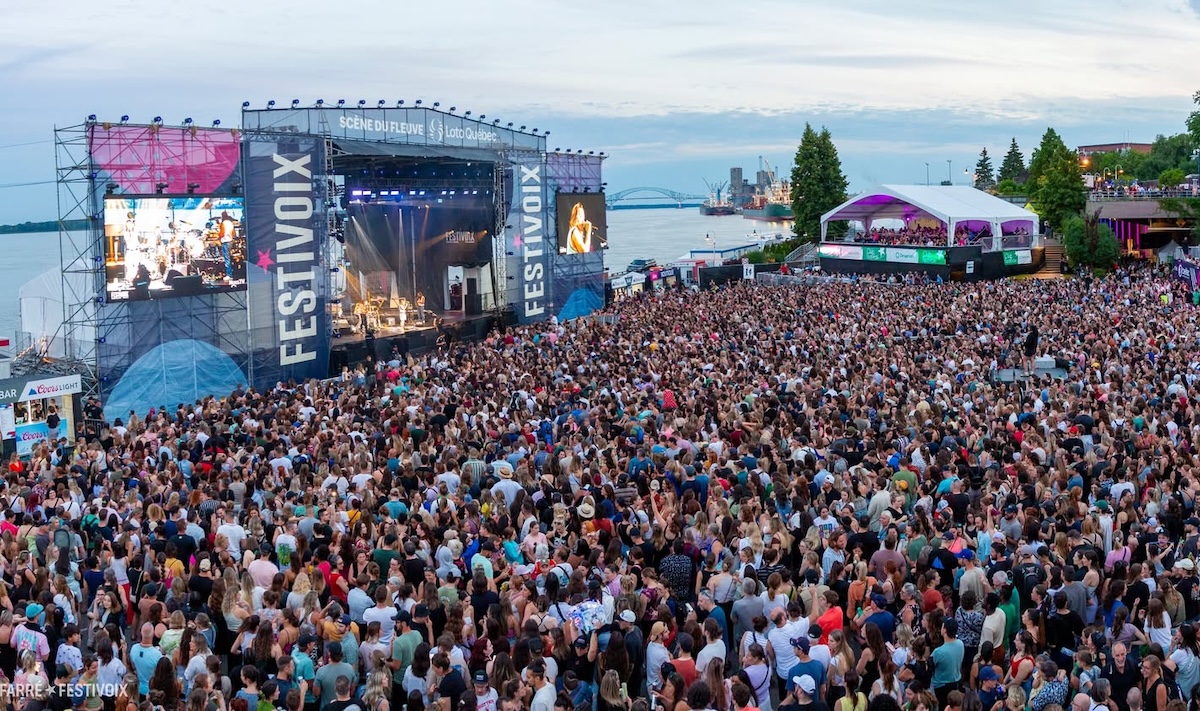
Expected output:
(716, 204)
(771, 202)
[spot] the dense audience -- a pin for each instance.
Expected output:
(798, 498)
(936, 237)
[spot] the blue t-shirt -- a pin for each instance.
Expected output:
(144, 660)
(813, 668)
(947, 664)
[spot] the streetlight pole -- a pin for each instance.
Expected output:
(927, 173)
(949, 172)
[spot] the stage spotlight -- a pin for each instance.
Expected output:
(270, 104)
(320, 103)
(125, 118)
(110, 188)
(510, 124)
(522, 128)
(102, 340)
(495, 122)
(400, 103)
(418, 102)
(381, 103)
(362, 103)
(534, 131)
(216, 122)
(437, 104)
(99, 300)
(187, 121)
(481, 116)
(545, 133)
(91, 118)
(591, 153)
(557, 150)
(245, 105)
(601, 152)
(192, 187)
(341, 103)
(237, 188)
(160, 187)
(158, 120)
(465, 114)
(453, 108)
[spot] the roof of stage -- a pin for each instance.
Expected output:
(422, 131)
(946, 203)
(373, 149)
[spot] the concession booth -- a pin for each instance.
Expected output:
(36, 409)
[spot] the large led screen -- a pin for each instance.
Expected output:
(581, 223)
(162, 247)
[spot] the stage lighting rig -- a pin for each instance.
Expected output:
(111, 188)
(157, 121)
(400, 103)
(160, 187)
(545, 133)
(295, 103)
(362, 103)
(91, 118)
(124, 119)
(522, 128)
(453, 108)
(495, 122)
(216, 122)
(192, 188)
(418, 102)
(437, 104)
(245, 105)
(320, 103)
(341, 103)
(270, 104)
(187, 121)
(468, 113)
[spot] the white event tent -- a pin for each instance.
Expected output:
(953, 205)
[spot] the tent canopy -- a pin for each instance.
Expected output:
(952, 205)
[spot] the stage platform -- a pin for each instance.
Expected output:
(355, 348)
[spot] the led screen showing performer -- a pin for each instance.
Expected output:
(581, 223)
(180, 246)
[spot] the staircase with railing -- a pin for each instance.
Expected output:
(804, 254)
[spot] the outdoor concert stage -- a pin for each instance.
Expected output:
(217, 258)
(354, 348)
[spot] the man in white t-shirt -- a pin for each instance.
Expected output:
(485, 695)
(232, 531)
(383, 613)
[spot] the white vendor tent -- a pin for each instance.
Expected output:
(41, 301)
(953, 205)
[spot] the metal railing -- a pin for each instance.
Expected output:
(1121, 195)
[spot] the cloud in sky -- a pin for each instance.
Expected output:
(674, 91)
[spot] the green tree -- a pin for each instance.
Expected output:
(985, 178)
(818, 184)
(1171, 178)
(1089, 243)
(1013, 166)
(1047, 153)
(1193, 120)
(1184, 208)
(1009, 187)
(1059, 193)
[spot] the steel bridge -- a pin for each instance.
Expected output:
(647, 194)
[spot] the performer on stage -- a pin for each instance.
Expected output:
(421, 308)
(403, 314)
(227, 227)
(579, 231)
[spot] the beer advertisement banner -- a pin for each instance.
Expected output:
(287, 280)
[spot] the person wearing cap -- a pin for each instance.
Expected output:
(802, 695)
(635, 647)
(990, 689)
(485, 696)
(305, 671)
(877, 613)
(971, 578)
(807, 666)
(29, 634)
(404, 647)
(261, 569)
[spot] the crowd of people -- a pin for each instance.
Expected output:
(924, 236)
(775, 498)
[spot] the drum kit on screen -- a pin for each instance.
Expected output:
(182, 248)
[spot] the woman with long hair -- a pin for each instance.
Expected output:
(165, 682)
(873, 652)
(714, 677)
(377, 696)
